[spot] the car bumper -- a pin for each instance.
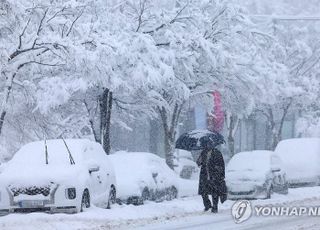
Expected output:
(256, 193)
(51, 209)
(31, 204)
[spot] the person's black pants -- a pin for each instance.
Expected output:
(207, 203)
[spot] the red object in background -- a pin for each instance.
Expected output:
(216, 118)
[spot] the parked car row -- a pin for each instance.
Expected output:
(258, 174)
(70, 175)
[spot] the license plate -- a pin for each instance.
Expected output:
(31, 204)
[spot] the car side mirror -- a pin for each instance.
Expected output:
(93, 168)
(275, 169)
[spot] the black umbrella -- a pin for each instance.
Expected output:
(198, 139)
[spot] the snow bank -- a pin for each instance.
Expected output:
(187, 188)
(129, 216)
(301, 159)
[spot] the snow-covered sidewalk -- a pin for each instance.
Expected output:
(122, 217)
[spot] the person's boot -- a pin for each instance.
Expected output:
(206, 209)
(214, 209)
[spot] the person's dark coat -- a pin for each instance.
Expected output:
(214, 183)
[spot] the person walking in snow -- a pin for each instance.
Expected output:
(212, 177)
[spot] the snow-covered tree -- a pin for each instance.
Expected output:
(32, 38)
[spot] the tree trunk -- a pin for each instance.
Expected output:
(154, 136)
(105, 119)
(267, 136)
(277, 132)
(232, 125)
(293, 126)
(5, 100)
(91, 118)
(254, 120)
(273, 129)
(169, 147)
(170, 125)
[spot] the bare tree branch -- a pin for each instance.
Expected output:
(74, 21)
(22, 34)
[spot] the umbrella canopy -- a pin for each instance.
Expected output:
(199, 139)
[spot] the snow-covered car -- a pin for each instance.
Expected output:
(255, 175)
(143, 176)
(301, 159)
(57, 176)
(185, 166)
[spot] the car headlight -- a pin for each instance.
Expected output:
(71, 193)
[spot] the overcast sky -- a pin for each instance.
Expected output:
(288, 7)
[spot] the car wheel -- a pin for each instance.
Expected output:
(145, 194)
(286, 189)
(112, 197)
(172, 193)
(85, 201)
(269, 192)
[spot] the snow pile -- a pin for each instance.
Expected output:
(301, 159)
(187, 188)
(126, 216)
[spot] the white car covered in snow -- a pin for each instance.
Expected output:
(59, 176)
(185, 166)
(254, 175)
(143, 176)
(301, 159)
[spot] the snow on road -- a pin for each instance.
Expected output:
(183, 213)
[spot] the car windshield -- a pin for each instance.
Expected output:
(33, 154)
(249, 161)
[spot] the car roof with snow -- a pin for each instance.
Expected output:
(30, 161)
(299, 151)
(34, 153)
(299, 148)
(138, 162)
(301, 157)
(252, 161)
